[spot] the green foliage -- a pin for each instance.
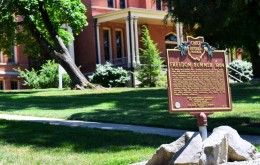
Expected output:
(16, 29)
(151, 64)
(244, 67)
(46, 77)
(31, 78)
(232, 23)
(109, 76)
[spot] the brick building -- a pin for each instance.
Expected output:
(112, 34)
(8, 65)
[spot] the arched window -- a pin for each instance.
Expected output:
(170, 41)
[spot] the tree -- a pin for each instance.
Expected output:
(232, 23)
(151, 63)
(40, 26)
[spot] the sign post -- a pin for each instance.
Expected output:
(197, 81)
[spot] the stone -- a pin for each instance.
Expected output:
(257, 155)
(190, 153)
(250, 162)
(165, 152)
(238, 148)
(215, 149)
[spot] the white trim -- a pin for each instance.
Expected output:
(98, 43)
(122, 44)
(128, 43)
(132, 40)
(15, 55)
(104, 8)
(178, 33)
(110, 42)
(136, 41)
(9, 73)
(136, 12)
(1, 58)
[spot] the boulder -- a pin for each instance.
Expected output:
(238, 148)
(215, 149)
(250, 162)
(190, 153)
(165, 152)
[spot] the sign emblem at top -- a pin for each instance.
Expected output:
(196, 49)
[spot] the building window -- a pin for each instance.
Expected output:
(14, 85)
(8, 59)
(1, 85)
(119, 44)
(110, 3)
(122, 4)
(158, 4)
(170, 41)
(11, 57)
(107, 45)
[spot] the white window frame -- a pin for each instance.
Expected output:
(125, 4)
(15, 57)
(18, 84)
(3, 83)
(110, 42)
(123, 43)
(114, 4)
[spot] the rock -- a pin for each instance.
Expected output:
(238, 148)
(257, 155)
(165, 152)
(250, 162)
(215, 149)
(190, 153)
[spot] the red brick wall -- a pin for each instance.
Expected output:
(85, 47)
(158, 33)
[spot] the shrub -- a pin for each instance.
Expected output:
(31, 78)
(244, 67)
(151, 64)
(46, 77)
(109, 76)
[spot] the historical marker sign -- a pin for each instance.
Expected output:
(197, 78)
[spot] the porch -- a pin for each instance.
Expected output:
(117, 35)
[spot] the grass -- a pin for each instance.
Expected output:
(34, 143)
(132, 106)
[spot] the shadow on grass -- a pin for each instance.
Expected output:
(140, 107)
(78, 139)
(246, 93)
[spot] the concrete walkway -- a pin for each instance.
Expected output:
(109, 126)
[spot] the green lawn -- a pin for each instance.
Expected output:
(132, 106)
(33, 143)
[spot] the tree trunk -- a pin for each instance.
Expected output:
(255, 58)
(63, 57)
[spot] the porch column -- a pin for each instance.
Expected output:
(128, 42)
(132, 33)
(178, 33)
(98, 43)
(181, 32)
(136, 41)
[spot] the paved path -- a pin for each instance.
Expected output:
(110, 126)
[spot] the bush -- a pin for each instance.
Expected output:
(109, 76)
(46, 77)
(151, 64)
(244, 67)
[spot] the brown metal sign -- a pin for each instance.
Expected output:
(197, 79)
